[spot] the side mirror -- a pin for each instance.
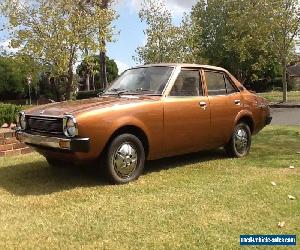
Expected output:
(241, 88)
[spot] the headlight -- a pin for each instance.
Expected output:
(22, 120)
(70, 126)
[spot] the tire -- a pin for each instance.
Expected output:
(55, 163)
(240, 142)
(125, 159)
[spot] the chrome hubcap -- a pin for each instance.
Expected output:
(241, 141)
(125, 160)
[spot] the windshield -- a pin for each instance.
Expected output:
(148, 80)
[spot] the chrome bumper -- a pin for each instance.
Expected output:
(72, 144)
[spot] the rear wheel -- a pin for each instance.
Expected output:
(240, 142)
(125, 159)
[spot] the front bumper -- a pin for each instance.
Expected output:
(66, 144)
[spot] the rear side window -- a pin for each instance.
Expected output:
(218, 83)
(229, 88)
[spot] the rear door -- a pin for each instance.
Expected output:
(186, 115)
(225, 104)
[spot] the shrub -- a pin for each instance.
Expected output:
(88, 94)
(8, 113)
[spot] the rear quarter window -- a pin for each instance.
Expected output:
(218, 83)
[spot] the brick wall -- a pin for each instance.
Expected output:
(9, 145)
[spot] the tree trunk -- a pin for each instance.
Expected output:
(93, 81)
(69, 83)
(70, 76)
(284, 81)
(87, 82)
(54, 84)
(102, 72)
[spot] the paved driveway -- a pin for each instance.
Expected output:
(286, 116)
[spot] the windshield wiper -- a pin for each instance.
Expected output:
(120, 91)
(147, 91)
(117, 91)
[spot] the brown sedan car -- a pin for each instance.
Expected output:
(149, 112)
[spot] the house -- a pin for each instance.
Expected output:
(293, 76)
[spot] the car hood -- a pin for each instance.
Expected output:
(59, 109)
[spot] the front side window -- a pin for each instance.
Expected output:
(148, 80)
(187, 84)
(218, 83)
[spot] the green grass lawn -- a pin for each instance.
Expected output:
(198, 201)
(276, 96)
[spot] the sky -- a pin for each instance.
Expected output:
(129, 29)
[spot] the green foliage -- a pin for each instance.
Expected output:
(111, 69)
(87, 94)
(285, 28)
(234, 35)
(14, 71)
(250, 38)
(8, 113)
(54, 87)
(11, 78)
(54, 32)
(88, 70)
(165, 42)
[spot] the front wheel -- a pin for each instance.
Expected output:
(125, 159)
(240, 142)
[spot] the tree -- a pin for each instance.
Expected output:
(250, 38)
(54, 32)
(165, 42)
(102, 36)
(14, 71)
(89, 69)
(102, 64)
(285, 25)
(234, 35)
(112, 70)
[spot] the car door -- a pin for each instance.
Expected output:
(225, 104)
(186, 115)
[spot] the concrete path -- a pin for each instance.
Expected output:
(286, 116)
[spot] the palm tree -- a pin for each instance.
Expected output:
(104, 4)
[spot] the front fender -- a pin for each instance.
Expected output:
(101, 125)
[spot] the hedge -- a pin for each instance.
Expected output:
(88, 94)
(8, 113)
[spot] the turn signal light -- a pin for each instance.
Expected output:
(64, 144)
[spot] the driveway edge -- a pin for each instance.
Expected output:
(284, 105)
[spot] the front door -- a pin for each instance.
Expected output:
(186, 115)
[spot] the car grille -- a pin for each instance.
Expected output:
(45, 125)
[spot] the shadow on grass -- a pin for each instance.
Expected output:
(37, 178)
(184, 160)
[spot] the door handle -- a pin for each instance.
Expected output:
(203, 105)
(237, 102)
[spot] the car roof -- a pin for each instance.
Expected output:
(185, 65)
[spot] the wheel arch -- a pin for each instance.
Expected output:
(248, 120)
(134, 130)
